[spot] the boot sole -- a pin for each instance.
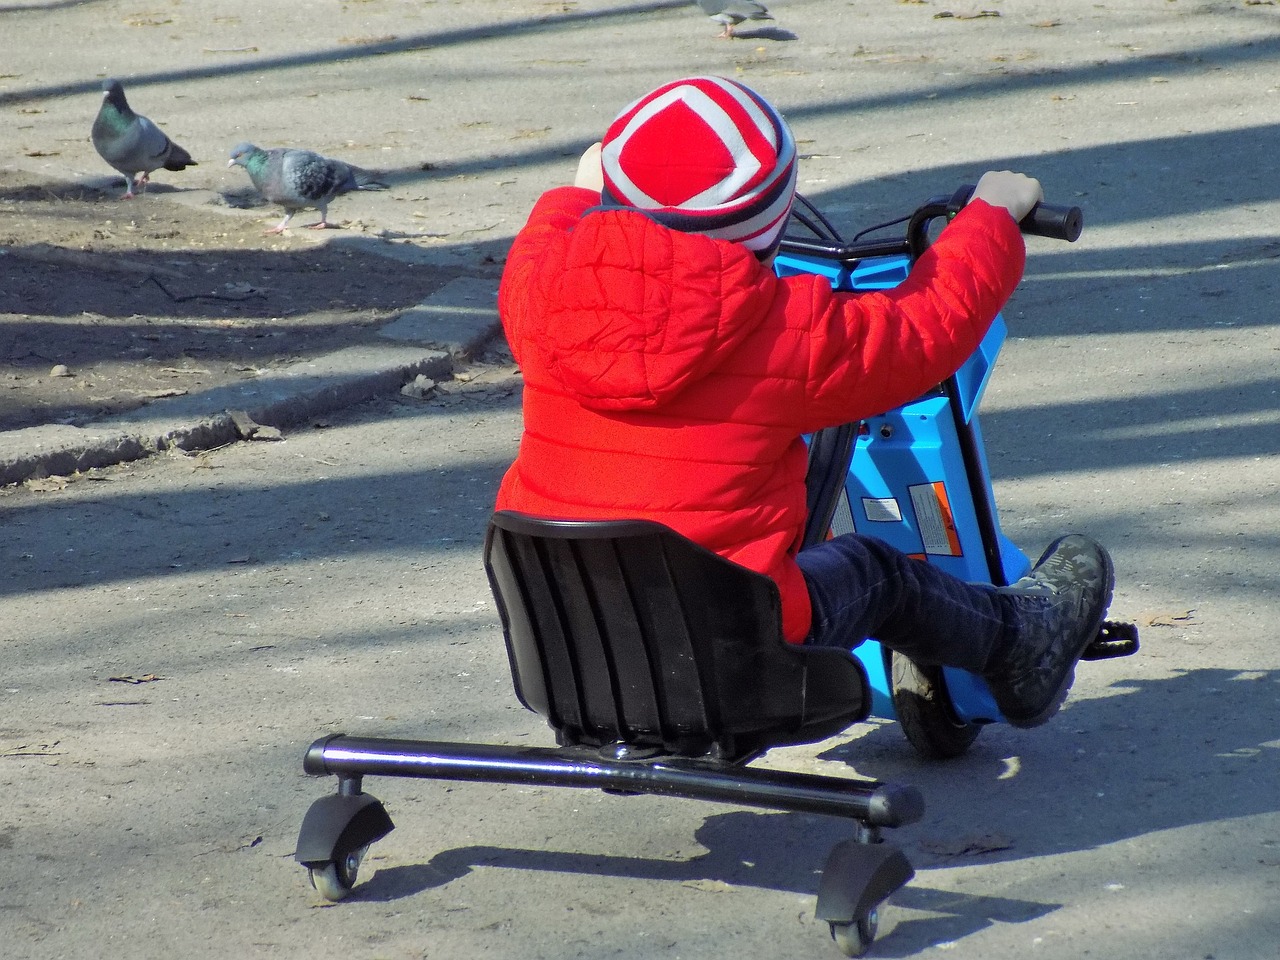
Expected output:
(1069, 677)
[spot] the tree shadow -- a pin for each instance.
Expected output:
(45, 7)
(530, 26)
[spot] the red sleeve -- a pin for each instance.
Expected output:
(872, 351)
(556, 212)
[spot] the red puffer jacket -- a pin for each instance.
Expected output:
(669, 376)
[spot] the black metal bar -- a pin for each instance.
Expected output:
(881, 804)
(830, 452)
(984, 509)
(843, 252)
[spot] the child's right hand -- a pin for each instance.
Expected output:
(1016, 192)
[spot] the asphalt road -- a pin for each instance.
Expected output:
(175, 632)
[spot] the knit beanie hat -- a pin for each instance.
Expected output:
(704, 155)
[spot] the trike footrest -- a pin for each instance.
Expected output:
(1113, 640)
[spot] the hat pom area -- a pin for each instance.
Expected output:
(704, 155)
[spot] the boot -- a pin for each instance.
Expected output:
(1061, 604)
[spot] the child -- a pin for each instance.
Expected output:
(669, 375)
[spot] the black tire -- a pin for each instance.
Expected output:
(925, 712)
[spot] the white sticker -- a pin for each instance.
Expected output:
(933, 516)
(882, 510)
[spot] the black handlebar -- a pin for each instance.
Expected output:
(1045, 219)
(1053, 221)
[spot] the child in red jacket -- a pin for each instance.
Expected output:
(669, 375)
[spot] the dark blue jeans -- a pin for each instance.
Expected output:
(862, 587)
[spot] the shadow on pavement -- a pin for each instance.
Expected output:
(1207, 745)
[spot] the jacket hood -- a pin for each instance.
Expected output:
(625, 313)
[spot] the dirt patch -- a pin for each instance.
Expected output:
(106, 305)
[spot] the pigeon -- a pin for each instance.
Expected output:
(131, 143)
(300, 179)
(733, 12)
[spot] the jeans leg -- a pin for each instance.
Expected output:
(862, 587)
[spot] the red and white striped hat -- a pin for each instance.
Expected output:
(704, 155)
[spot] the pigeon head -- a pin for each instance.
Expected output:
(241, 153)
(113, 93)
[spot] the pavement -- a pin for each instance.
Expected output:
(473, 109)
(173, 636)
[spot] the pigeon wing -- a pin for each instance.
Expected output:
(734, 11)
(315, 179)
(153, 149)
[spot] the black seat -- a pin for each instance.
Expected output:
(661, 668)
(616, 636)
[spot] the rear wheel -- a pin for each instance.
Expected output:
(925, 711)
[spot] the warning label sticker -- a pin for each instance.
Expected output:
(934, 518)
(842, 519)
(882, 510)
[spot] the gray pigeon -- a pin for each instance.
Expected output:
(300, 179)
(733, 12)
(131, 143)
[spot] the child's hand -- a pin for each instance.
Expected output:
(1015, 192)
(590, 174)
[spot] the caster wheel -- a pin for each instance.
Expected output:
(925, 712)
(855, 938)
(334, 879)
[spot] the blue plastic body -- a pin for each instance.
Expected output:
(909, 486)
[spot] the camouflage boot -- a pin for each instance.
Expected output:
(1062, 603)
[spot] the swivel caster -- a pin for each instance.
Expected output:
(859, 876)
(336, 834)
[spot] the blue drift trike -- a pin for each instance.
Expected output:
(916, 476)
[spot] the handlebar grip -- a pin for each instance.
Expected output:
(1053, 221)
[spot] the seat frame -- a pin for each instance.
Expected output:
(662, 669)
